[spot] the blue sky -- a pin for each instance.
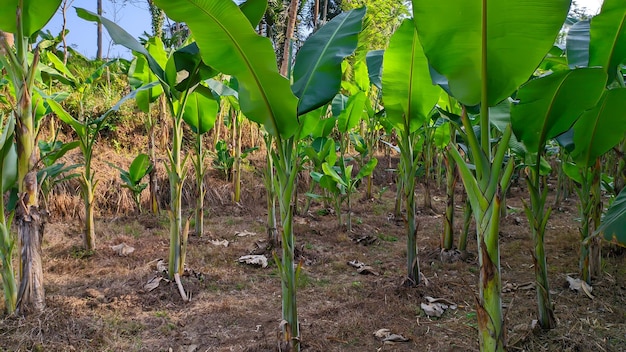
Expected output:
(134, 17)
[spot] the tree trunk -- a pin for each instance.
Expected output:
(99, 52)
(316, 12)
(30, 227)
(158, 18)
(291, 26)
(64, 7)
(447, 240)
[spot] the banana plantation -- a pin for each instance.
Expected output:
(269, 175)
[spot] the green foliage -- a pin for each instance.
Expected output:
(138, 169)
(382, 19)
(223, 159)
(54, 172)
(511, 57)
(323, 52)
(35, 15)
(548, 106)
(266, 97)
(613, 224)
(407, 89)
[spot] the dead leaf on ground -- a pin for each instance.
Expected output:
(367, 270)
(153, 283)
(245, 233)
(365, 240)
(219, 242)
(122, 249)
(161, 266)
(254, 259)
(363, 268)
(386, 336)
(437, 306)
(579, 285)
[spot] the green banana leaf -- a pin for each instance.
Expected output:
(360, 76)
(235, 49)
(8, 154)
(374, 61)
(35, 15)
(317, 71)
(60, 66)
(254, 10)
(577, 44)
(139, 168)
(9, 167)
(549, 106)
(518, 36)
(408, 91)
(351, 115)
(367, 169)
(315, 123)
(329, 170)
(601, 128)
(187, 59)
(608, 38)
(613, 223)
(201, 110)
(140, 71)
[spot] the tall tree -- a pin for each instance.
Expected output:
(289, 31)
(158, 18)
(99, 52)
(381, 21)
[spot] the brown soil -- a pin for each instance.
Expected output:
(98, 302)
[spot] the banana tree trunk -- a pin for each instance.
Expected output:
(409, 166)
(30, 226)
(153, 179)
(428, 163)
(9, 285)
(89, 237)
(489, 304)
(447, 240)
(467, 221)
(29, 218)
(270, 188)
(595, 260)
(176, 187)
(286, 176)
(237, 162)
(200, 184)
(590, 260)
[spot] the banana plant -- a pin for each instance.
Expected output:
(321, 150)
(139, 74)
(545, 108)
(138, 169)
(8, 160)
(409, 97)
(24, 18)
(87, 130)
(599, 43)
(229, 43)
(54, 172)
(177, 90)
(463, 42)
(200, 114)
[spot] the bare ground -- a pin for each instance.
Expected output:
(98, 302)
